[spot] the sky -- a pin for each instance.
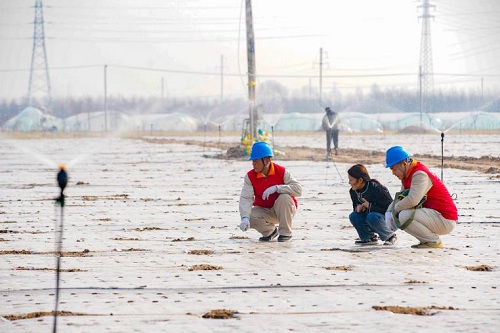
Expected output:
(196, 48)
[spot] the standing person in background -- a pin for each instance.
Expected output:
(370, 201)
(426, 210)
(268, 196)
(330, 124)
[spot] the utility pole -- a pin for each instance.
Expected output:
(482, 90)
(321, 77)
(420, 91)
(426, 70)
(251, 69)
(310, 90)
(105, 98)
(321, 64)
(221, 79)
(162, 89)
(39, 82)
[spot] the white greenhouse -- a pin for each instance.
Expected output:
(32, 119)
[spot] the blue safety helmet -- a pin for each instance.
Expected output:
(260, 150)
(395, 155)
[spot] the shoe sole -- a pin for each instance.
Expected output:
(427, 246)
(267, 240)
(367, 244)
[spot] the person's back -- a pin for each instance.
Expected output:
(330, 125)
(332, 120)
(329, 121)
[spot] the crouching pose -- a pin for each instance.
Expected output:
(370, 201)
(268, 196)
(424, 208)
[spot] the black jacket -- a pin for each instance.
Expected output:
(376, 194)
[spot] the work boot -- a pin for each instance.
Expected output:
(270, 237)
(391, 240)
(428, 245)
(283, 238)
(371, 241)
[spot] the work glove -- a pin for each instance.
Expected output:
(389, 221)
(270, 190)
(245, 223)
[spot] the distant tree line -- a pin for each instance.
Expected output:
(272, 95)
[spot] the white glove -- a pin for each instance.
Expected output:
(389, 221)
(245, 223)
(270, 190)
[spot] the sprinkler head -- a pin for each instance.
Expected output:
(62, 177)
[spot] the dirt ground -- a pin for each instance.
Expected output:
(485, 164)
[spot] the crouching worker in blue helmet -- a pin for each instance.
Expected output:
(268, 196)
(424, 208)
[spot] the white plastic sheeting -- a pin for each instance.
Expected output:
(32, 119)
(151, 122)
(138, 224)
(474, 121)
(167, 122)
(231, 123)
(355, 122)
(298, 122)
(100, 121)
(445, 121)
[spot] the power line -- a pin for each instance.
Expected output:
(312, 75)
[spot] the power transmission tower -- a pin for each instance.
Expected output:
(39, 83)
(425, 68)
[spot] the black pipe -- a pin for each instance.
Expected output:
(62, 181)
(442, 154)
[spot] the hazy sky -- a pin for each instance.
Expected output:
(181, 42)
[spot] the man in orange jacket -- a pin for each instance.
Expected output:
(268, 196)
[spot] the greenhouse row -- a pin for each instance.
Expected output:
(32, 119)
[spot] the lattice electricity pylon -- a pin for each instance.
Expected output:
(426, 71)
(39, 83)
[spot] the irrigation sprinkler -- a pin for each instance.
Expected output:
(272, 134)
(218, 144)
(204, 135)
(442, 154)
(62, 181)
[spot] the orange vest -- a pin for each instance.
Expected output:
(260, 183)
(438, 197)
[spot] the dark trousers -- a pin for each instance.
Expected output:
(332, 135)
